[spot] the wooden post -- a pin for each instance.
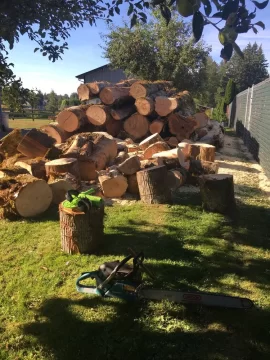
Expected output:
(153, 187)
(217, 193)
(81, 232)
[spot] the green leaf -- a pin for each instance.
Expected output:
(262, 5)
(230, 7)
(111, 12)
(36, 49)
(166, 13)
(261, 24)
(197, 25)
(254, 30)
(44, 54)
(139, 6)
(207, 7)
(143, 15)
(238, 50)
(117, 10)
(147, 5)
(133, 20)
(226, 52)
(130, 9)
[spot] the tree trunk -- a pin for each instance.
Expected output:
(54, 131)
(152, 139)
(217, 193)
(136, 126)
(109, 95)
(130, 166)
(59, 189)
(73, 118)
(145, 106)
(113, 127)
(35, 167)
(181, 102)
(153, 187)
(181, 126)
(81, 232)
(63, 166)
(35, 144)
(113, 184)
(133, 184)
(24, 195)
(146, 88)
(157, 126)
(98, 114)
(123, 112)
(155, 148)
(175, 179)
(9, 143)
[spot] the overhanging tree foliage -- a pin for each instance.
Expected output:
(159, 51)
(230, 92)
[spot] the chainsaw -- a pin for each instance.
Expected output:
(119, 279)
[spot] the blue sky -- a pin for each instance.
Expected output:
(85, 54)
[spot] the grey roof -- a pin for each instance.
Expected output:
(81, 76)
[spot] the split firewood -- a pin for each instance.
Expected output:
(130, 166)
(122, 156)
(217, 192)
(35, 167)
(59, 189)
(123, 112)
(35, 144)
(24, 195)
(69, 178)
(136, 126)
(111, 95)
(181, 126)
(132, 184)
(146, 88)
(175, 179)
(12, 172)
(73, 118)
(113, 184)
(80, 147)
(62, 166)
(149, 141)
(157, 126)
(155, 148)
(56, 132)
(180, 102)
(9, 143)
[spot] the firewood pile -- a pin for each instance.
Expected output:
(135, 136)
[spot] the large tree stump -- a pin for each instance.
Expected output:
(136, 126)
(24, 195)
(217, 192)
(35, 144)
(54, 131)
(63, 166)
(153, 187)
(81, 232)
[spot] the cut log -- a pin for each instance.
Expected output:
(198, 167)
(157, 126)
(181, 126)
(207, 152)
(109, 95)
(67, 177)
(133, 184)
(192, 151)
(35, 167)
(62, 166)
(122, 156)
(175, 179)
(136, 126)
(201, 119)
(123, 112)
(182, 102)
(169, 154)
(73, 118)
(84, 92)
(172, 142)
(217, 192)
(146, 88)
(59, 189)
(145, 106)
(150, 140)
(155, 148)
(35, 144)
(54, 131)
(215, 135)
(9, 143)
(113, 127)
(153, 187)
(145, 164)
(80, 147)
(98, 114)
(13, 172)
(169, 163)
(24, 195)
(81, 232)
(130, 166)
(113, 184)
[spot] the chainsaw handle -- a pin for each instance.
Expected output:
(87, 288)
(123, 262)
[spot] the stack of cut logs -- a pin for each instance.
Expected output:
(96, 145)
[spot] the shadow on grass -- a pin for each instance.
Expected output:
(238, 167)
(126, 331)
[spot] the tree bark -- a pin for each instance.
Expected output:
(181, 126)
(182, 102)
(157, 126)
(109, 95)
(54, 131)
(130, 166)
(63, 166)
(217, 193)
(153, 187)
(73, 118)
(35, 144)
(113, 184)
(146, 88)
(113, 127)
(136, 126)
(154, 149)
(24, 195)
(207, 152)
(152, 139)
(123, 112)
(81, 232)
(35, 167)
(133, 184)
(98, 114)
(175, 179)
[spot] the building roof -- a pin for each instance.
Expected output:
(81, 76)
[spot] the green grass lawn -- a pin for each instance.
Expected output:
(27, 123)
(43, 317)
